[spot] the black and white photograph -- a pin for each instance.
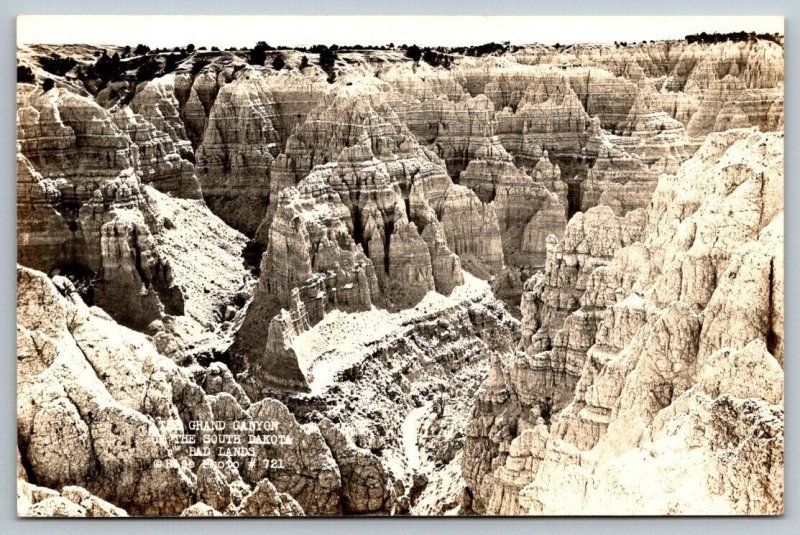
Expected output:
(328, 266)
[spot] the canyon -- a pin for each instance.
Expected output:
(542, 281)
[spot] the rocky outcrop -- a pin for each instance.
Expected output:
(659, 339)
(590, 241)
(526, 211)
(72, 501)
(728, 103)
(626, 168)
(112, 405)
(404, 211)
(547, 115)
(416, 365)
(373, 228)
(85, 213)
(466, 131)
(79, 400)
(156, 157)
(367, 487)
(265, 500)
(473, 231)
(240, 141)
(560, 311)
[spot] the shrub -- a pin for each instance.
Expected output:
(141, 50)
(48, 84)
(106, 68)
(486, 49)
(25, 75)
(198, 65)
(327, 60)
(148, 70)
(436, 59)
(481, 50)
(56, 64)
(258, 54)
(414, 53)
(303, 62)
(712, 38)
(172, 62)
(257, 57)
(278, 63)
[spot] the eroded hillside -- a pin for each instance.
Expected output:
(490, 285)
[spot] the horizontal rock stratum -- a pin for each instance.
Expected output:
(534, 281)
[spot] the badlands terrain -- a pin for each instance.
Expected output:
(498, 281)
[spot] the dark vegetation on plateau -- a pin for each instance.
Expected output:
(486, 49)
(137, 64)
(258, 54)
(56, 64)
(25, 75)
(327, 60)
(141, 63)
(131, 67)
(736, 37)
(430, 56)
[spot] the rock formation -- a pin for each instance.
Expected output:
(86, 212)
(660, 340)
(492, 283)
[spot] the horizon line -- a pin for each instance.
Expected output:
(160, 31)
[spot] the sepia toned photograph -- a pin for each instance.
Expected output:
(329, 266)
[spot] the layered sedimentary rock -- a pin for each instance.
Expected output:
(314, 262)
(472, 230)
(559, 306)
(100, 425)
(665, 358)
(403, 212)
(392, 372)
(240, 141)
(73, 148)
(156, 157)
(157, 101)
(758, 61)
(72, 501)
(604, 95)
(379, 225)
(526, 211)
(546, 115)
(729, 103)
(465, 131)
(103, 397)
(85, 212)
(560, 310)
(626, 169)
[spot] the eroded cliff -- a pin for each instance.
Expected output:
(495, 285)
(677, 353)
